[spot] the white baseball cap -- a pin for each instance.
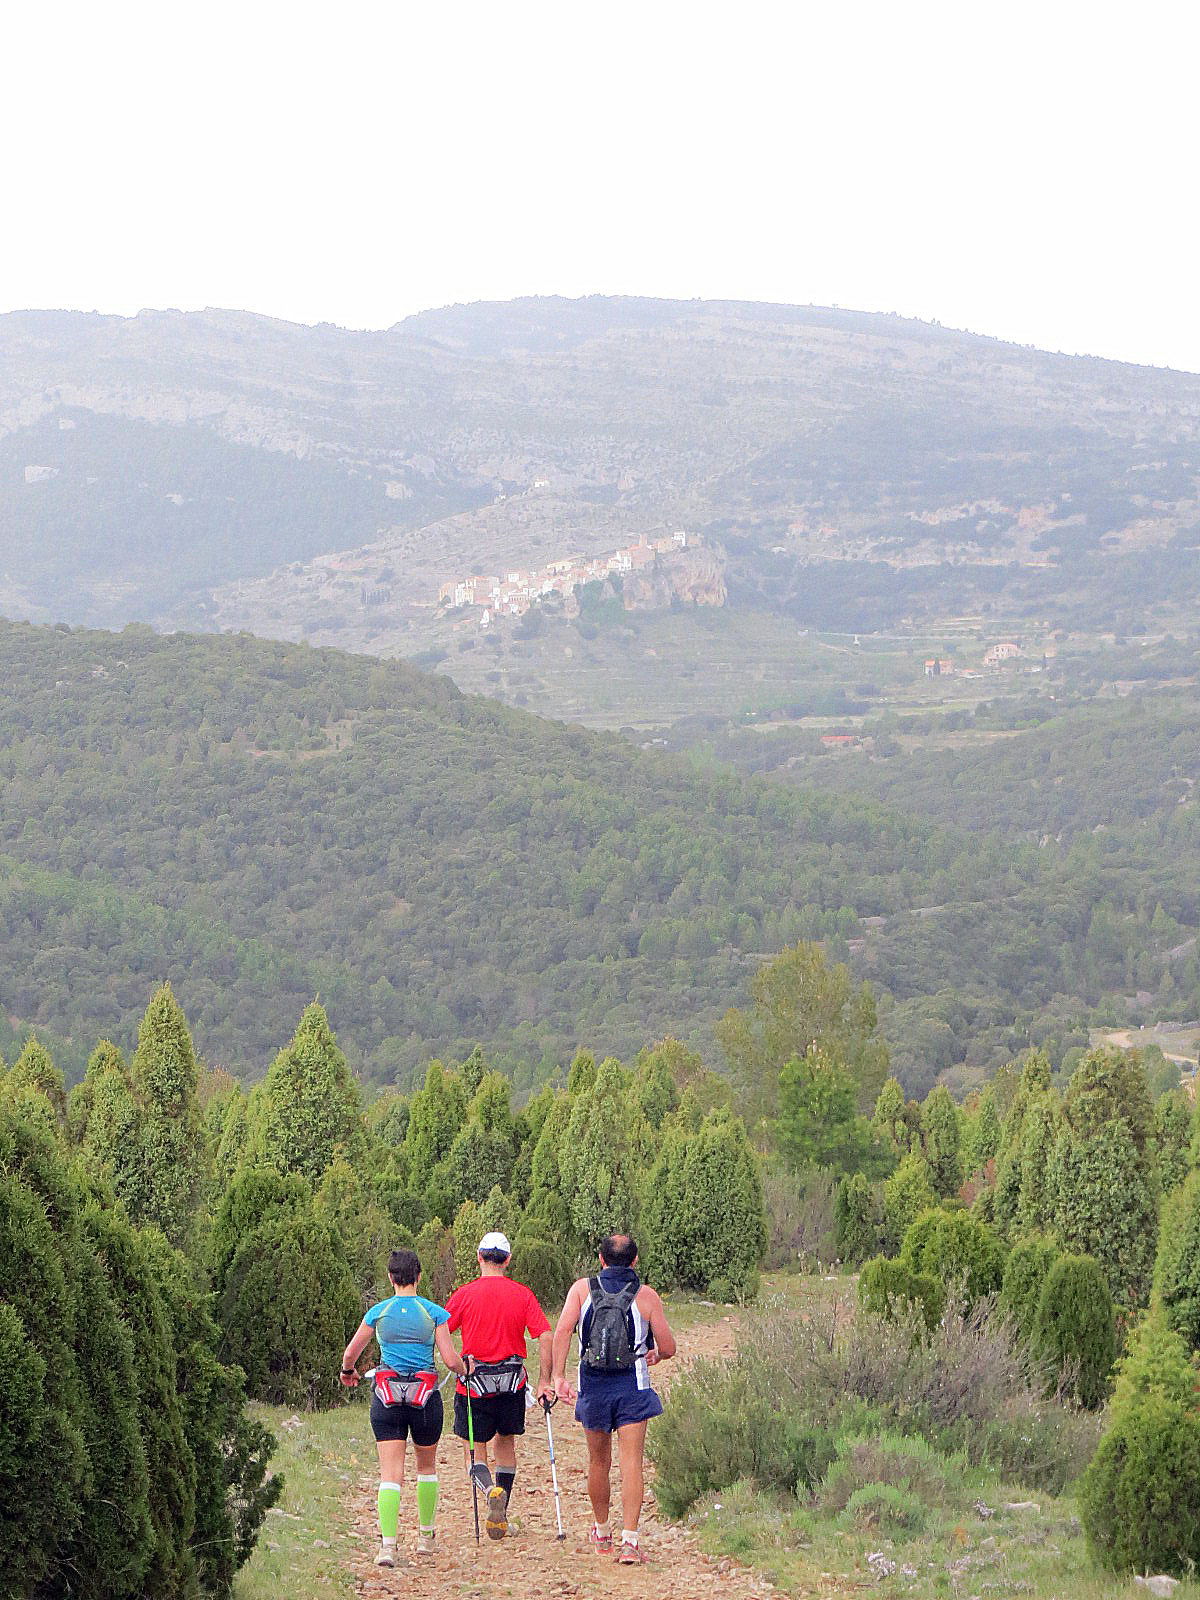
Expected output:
(495, 1241)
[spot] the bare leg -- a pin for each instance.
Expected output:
(391, 1460)
(631, 1447)
(599, 1448)
(506, 1451)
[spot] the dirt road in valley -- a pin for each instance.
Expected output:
(530, 1564)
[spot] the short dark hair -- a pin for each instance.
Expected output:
(404, 1266)
(497, 1258)
(618, 1250)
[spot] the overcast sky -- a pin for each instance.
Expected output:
(1022, 170)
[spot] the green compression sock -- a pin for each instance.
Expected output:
(427, 1499)
(389, 1509)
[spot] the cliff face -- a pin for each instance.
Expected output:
(695, 576)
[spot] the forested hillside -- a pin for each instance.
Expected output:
(264, 823)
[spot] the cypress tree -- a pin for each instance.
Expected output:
(104, 1058)
(1177, 1264)
(662, 1230)
(348, 1208)
(256, 1195)
(981, 1142)
(855, 1228)
(1035, 1203)
(582, 1074)
(655, 1086)
(598, 1159)
(544, 1170)
(1139, 1498)
(484, 1148)
(1032, 1089)
(942, 1140)
(722, 1204)
(907, 1193)
(33, 1086)
(231, 1141)
(1074, 1329)
(171, 1157)
(1103, 1205)
(32, 1494)
(1172, 1135)
(1025, 1272)
(288, 1300)
(957, 1249)
(308, 1104)
(435, 1116)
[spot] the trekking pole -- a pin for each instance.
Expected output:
(547, 1406)
(471, 1444)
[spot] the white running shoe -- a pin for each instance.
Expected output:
(386, 1556)
(426, 1543)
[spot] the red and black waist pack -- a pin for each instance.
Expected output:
(411, 1389)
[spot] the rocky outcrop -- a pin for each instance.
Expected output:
(695, 576)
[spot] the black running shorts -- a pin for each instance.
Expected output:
(423, 1423)
(492, 1414)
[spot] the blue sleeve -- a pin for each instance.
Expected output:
(372, 1317)
(438, 1313)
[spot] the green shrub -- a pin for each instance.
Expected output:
(724, 1423)
(957, 1249)
(1029, 1262)
(1139, 1499)
(908, 1463)
(890, 1289)
(881, 1506)
(1074, 1329)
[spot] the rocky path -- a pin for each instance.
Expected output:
(530, 1564)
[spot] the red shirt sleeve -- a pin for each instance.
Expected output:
(535, 1317)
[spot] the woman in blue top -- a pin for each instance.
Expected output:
(407, 1327)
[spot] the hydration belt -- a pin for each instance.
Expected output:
(393, 1389)
(496, 1377)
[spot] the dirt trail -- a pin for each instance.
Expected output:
(529, 1564)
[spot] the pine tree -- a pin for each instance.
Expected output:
(1074, 1329)
(818, 1123)
(308, 1104)
(1177, 1265)
(942, 1140)
(171, 1157)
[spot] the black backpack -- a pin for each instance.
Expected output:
(609, 1347)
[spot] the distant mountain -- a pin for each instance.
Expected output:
(851, 470)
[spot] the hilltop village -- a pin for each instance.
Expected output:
(514, 593)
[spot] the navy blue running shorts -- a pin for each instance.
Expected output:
(606, 1406)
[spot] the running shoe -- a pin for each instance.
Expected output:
(497, 1512)
(426, 1543)
(631, 1555)
(602, 1541)
(386, 1556)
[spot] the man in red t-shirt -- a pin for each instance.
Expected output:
(494, 1314)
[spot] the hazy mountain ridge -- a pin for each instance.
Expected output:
(809, 437)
